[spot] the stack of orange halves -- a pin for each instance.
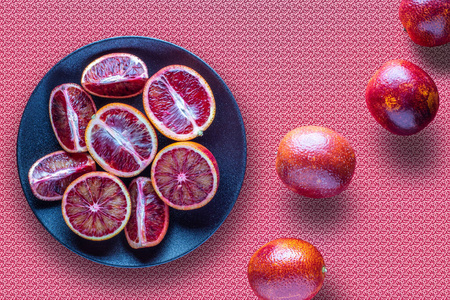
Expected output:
(122, 141)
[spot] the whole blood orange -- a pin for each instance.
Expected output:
(315, 161)
(51, 175)
(179, 102)
(185, 175)
(115, 75)
(426, 21)
(71, 109)
(96, 206)
(149, 218)
(402, 97)
(121, 140)
(286, 268)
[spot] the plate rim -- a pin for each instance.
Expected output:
(24, 181)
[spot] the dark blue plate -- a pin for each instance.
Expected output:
(225, 138)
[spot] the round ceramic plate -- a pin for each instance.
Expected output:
(225, 138)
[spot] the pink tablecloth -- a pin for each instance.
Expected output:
(288, 63)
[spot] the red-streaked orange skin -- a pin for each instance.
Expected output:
(315, 162)
(287, 269)
(426, 21)
(402, 97)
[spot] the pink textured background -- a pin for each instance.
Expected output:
(288, 63)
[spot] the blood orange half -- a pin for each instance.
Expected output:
(121, 140)
(149, 218)
(71, 109)
(96, 206)
(185, 175)
(115, 75)
(51, 175)
(179, 102)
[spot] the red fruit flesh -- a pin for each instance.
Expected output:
(149, 218)
(426, 21)
(402, 97)
(121, 140)
(96, 206)
(188, 88)
(185, 175)
(71, 109)
(122, 122)
(116, 75)
(179, 102)
(315, 162)
(51, 175)
(286, 269)
(116, 89)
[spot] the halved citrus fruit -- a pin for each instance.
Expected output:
(179, 102)
(149, 218)
(115, 75)
(185, 175)
(96, 206)
(121, 140)
(50, 175)
(71, 109)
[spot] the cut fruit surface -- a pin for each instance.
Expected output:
(71, 109)
(179, 102)
(115, 75)
(149, 218)
(96, 206)
(51, 175)
(185, 175)
(121, 140)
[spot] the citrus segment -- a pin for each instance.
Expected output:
(96, 206)
(185, 175)
(179, 102)
(71, 109)
(121, 140)
(149, 218)
(115, 75)
(51, 174)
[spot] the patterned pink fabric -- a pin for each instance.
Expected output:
(288, 63)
